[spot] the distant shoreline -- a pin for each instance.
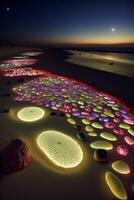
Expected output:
(105, 49)
(113, 62)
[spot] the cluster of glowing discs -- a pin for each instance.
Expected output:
(27, 71)
(101, 116)
(11, 63)
(31, 114)
(93, 130)
(17, 66)
(61, 149)
(97, 110)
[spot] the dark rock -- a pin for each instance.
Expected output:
(78, 127)
(20, 80)
(6, 95)
(62, 115)
(111, 63)
(101, 155)
(8, 83)
(53, 113)
(16, 156)
(91, 83)
(82, 136)
(6, 110)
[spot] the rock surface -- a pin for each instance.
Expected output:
(101, 155)
(16, 156)
(82, 136)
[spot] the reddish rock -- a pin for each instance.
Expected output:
(16, 156)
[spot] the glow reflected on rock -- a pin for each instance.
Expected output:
(124, 126)
(68, 115)
(71, 121)
(61, 149)
(97, 125)
(97, 110)
(129, 140)
(86, 121)
(101, 144)
(122, 150)
(89, 128)
(115, 108)
(108, 136)
(92, 134)
(31, 114)
(121, 167)
(115, 185)
(131, 131)
(109, 114)
(129, 121)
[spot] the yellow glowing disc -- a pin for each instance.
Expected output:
(131, 131)
(86, 121)
(121, 167)
(101, 144)
(61, 149)
(108, 136)
(71, 121)
(31, 114)
(115, 185)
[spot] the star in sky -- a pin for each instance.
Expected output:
(8, 9)
(56, 23)
(113, 29)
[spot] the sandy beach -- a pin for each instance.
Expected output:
(42, 179)
(117, 63)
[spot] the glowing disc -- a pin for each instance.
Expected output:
(31, 114)
(61, 149)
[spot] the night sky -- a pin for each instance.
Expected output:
(67, 21)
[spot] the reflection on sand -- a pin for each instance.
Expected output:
(119, 63)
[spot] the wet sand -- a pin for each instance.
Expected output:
(117, 63)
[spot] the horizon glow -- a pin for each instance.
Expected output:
(94, 22)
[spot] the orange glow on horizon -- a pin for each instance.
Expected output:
(101, 40)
